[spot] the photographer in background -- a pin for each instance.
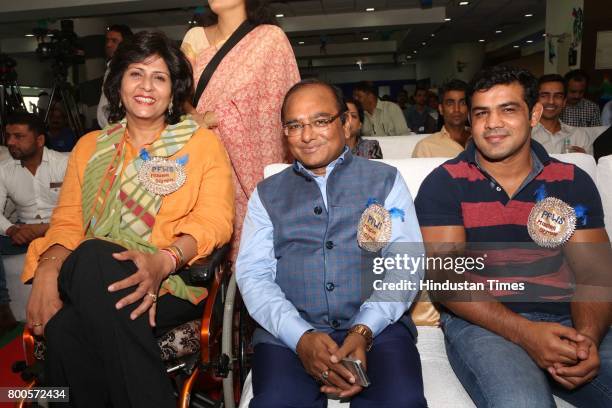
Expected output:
(114, 36)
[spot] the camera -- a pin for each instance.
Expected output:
(7, 69)
(60, 45)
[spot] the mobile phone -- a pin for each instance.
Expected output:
(355, 367)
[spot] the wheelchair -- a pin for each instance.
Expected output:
(207, 359)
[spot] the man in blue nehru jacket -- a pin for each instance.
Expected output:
(310, 236)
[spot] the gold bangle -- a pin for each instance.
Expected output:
(179, 255)
(51, 258)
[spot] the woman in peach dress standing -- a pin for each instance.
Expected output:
(243, 97)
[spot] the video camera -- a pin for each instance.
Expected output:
(60, 45)
(7, 69)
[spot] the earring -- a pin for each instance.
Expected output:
(120, 104)
(170, 108)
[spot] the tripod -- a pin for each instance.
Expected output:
(63, 90)
(11, 101)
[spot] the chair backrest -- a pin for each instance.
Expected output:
(397, 147)
(604, 185)
(414, 172)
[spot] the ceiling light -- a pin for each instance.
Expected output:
(29, 35)
(415, 51)
(433, 35)
(370, 9)
(301, 43)
(423, 43)
(447, 19)
(481, 40)
(280, 15)
(408, 56)
(498, 31)
(365, 38)
(515, 46)
(528, 15)
(544, 35)
(464, 3)
(529, 41)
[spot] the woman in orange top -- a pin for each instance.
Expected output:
(145, 195)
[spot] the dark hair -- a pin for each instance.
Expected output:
(504, 75)
(421, 88)
(453, 85)
(365, 86)
(122, 29)
(553, 78)
(577, 75)
(142, 46)
(339, 98)
(357, 105)
(35, 123)
(258, 12)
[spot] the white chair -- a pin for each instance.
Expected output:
(604, 185)
(397, 147)
(442, 388)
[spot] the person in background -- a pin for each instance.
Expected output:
(382, 118)
(551, 132)
(419, 116)
(370, 149)
(31, 179)
(60, 137)
(402, 99)
(451, 140)
(241, 101)
(579, 111)
(434, 101)
(115, 35)
(606, 114)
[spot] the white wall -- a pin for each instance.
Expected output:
(444, 65)
(559, 22)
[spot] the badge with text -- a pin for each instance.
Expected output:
(161, 176)
(551, 222)
(374, 230)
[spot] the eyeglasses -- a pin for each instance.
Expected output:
(320, 123)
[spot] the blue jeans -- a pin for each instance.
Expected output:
(7, 248)
(498, 373)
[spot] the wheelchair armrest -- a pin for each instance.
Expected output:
(202, 271)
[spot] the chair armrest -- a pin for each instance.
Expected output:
(202, 271)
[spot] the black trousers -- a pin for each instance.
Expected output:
(104, 357)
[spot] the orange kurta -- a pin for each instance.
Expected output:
(203, 207)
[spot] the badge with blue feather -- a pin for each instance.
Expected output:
(374, 229)
(552, 221)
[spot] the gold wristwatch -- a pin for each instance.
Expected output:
(364, 331)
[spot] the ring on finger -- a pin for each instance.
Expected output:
(325, 375)
(152, 296)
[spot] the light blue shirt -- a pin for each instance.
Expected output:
(265, 300)
(606, 114)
